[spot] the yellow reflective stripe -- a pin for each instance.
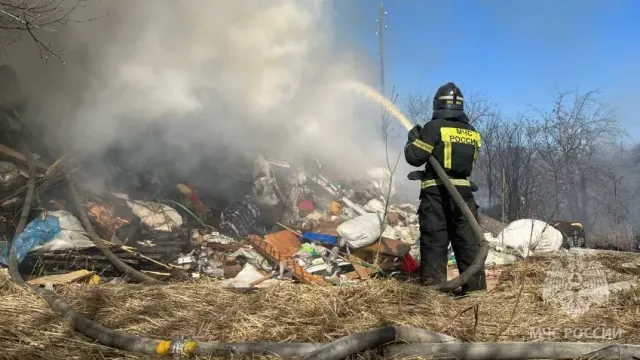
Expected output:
(447, 155)
(455, 182)
(422, 145)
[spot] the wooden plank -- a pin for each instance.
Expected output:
(68, 278)
(263, 279)
(273, 255)
(19, 157)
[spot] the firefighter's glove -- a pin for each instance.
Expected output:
(414, 133)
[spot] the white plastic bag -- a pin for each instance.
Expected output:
(499, 258)
(253, 258)
(158, 217)
(381, 178)
(374, 206)
(529, 235)
(72, 235)
(361, 231)
(245, 277)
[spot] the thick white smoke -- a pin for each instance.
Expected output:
(250, 75)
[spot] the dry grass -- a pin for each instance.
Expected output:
(204, 311)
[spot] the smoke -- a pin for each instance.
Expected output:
(212, 78)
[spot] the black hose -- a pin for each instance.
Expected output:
(99, 243)
(483, 251)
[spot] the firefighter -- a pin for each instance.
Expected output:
(454, 142)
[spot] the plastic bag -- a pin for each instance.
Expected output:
(382, 180)
(361, 231)
(71, 235)
(9, 174)
(158, 217)
(245, 277)
(528, 235)
(253, 258)
(239, 219)
(499, 258)
(37, 232)
(374, 206)
(58, 231)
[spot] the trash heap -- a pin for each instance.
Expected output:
(292, 224)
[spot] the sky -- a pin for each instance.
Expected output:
(515, 51)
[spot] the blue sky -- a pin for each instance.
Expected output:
(516, 51)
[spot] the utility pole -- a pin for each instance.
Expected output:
(381, 27)
(380, 33)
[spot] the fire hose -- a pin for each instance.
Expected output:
(421, 342)
(483, 251)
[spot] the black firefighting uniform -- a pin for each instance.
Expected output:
(455, 144)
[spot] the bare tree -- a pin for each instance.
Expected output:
(418, 106)
(33, 16)
(478, 107)
(574, 130)
(486, 161)
(509, 156)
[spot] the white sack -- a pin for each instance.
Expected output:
(528, 235)
(374, 206)
(158, 217)
(71, 237)
(361, 231)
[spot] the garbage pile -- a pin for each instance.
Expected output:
(293, 224)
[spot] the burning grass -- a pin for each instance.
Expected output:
(204, 311)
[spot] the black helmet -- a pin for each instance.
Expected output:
(448, 96)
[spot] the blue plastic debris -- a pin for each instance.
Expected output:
(321, 238)
(36, 233)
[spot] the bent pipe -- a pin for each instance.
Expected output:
(483, 251)
(99, 243)
(514, 351)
